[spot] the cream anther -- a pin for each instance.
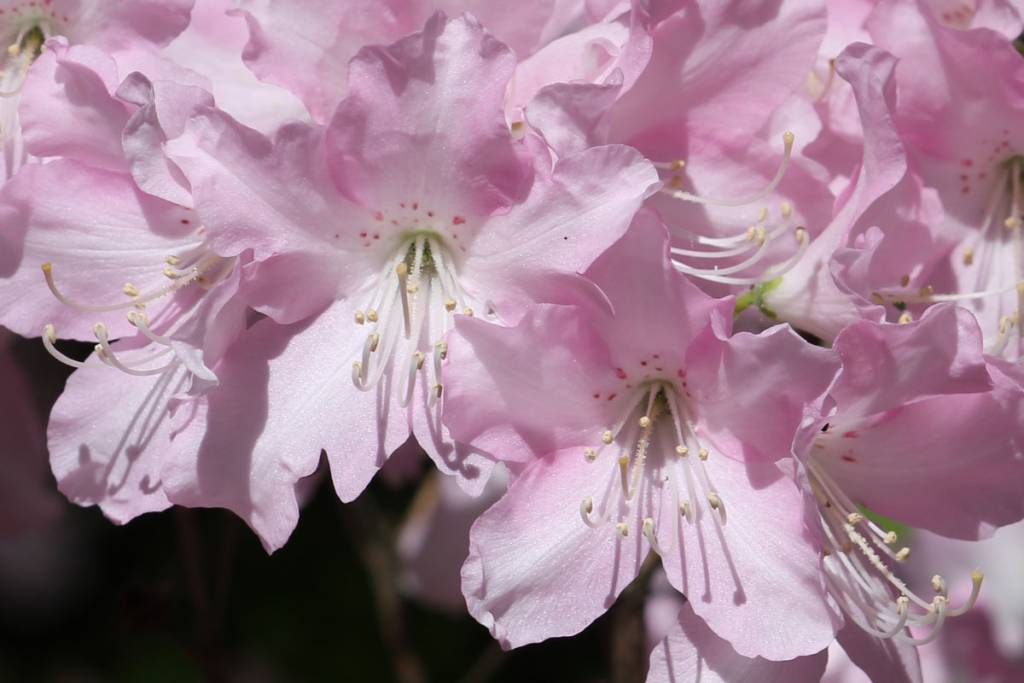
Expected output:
(703, 454)
(622, 529)
(449, 305)
(645, 422)
(374, 341)
(360, 318)
(890, 538)
(714, 500)
(786, 210)
(130, 289)
(607, 437)
(905, 317)
(468, 312)
(854, 518)
(762, 214)
(590, 454)
(371, 315)
(968, 256)
(682, 450)
(903, 553)
(684, 509)
(939, 584)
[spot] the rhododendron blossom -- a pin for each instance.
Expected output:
(726, 293)
(640, 447)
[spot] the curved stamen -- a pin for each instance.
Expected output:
(141, 323)
(775, 271)
(141, 300)
(787, 153)
(107, 354)
(49, 338)
(752, 260)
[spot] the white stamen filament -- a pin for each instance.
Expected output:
(787, 140)
(862, 582)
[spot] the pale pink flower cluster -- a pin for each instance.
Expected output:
(575, 238)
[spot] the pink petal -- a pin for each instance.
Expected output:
(882, 660)
(756, 580)
(692, 653)
(109, 436)
(535, 570)
(68, 109)
(526, 391)
(752, 392)
(99, 232)
(425, 122)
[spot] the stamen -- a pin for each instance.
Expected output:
(106, 354)
(402, 271)
(49, 338)
(787, 139)
(622, 529)
(138, 301)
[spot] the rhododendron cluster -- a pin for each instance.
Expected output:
(733, 286)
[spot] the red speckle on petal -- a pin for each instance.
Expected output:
(401, 204)
(681, 373)
(850, 435)
(415, 206)
(848, 456)
(458, 220)
(967, 163)
(659, 369)
(376, 235)
(620, 373)
(363, 233)
(611, 396)
(185, 221)
(378, 216)
(643, 363)
(430, 213)
(394, 222)
(597, 395)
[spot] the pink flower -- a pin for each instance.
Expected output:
(643, 430)
(717, 72)
(112, 26)
(417, 208)
(921, 424)
(89, 255)
(808, 296)
(305, 45)
(961, 96)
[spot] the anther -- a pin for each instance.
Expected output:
(590, 454)
(607, 437)
(904, 281)
(854, 518)
(468, 312)
(703, 454)
(968, 256)
(371, 315)
(902, 554)
(905, 317)
(360, 317)
(449, 305)
(622, 529)
(130, 289)
(787, 209)
(939, 584)
(890, 538)
(374, 342)
(645, 422)
(714, 500)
